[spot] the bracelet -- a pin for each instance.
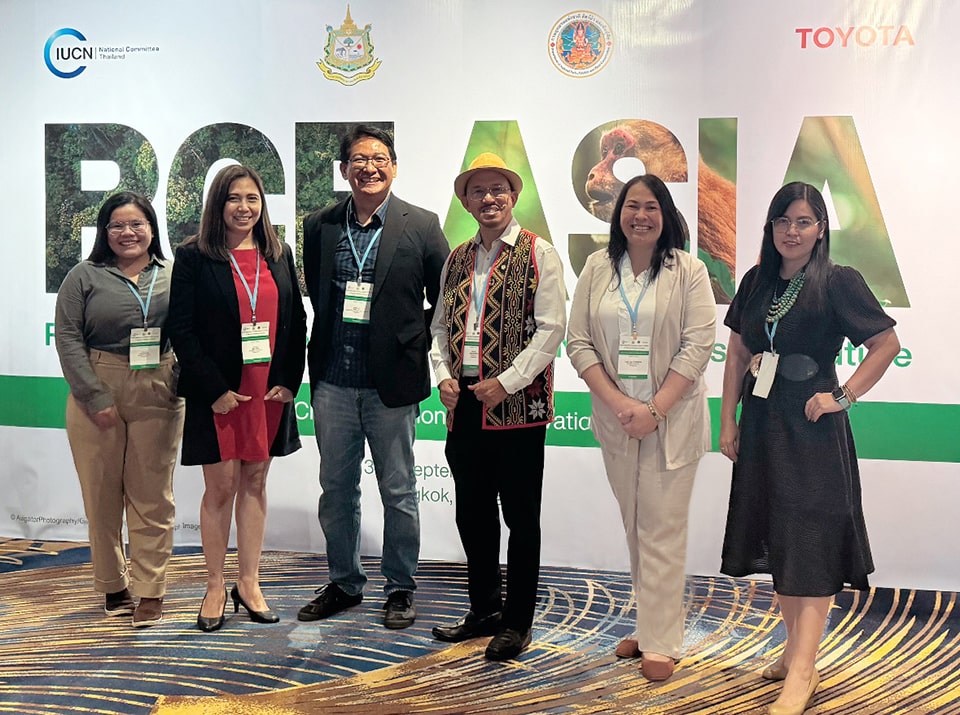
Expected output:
(851, 395)
(657, 415)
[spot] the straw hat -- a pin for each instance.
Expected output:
(487, 160)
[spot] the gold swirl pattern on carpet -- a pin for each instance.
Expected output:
(885, 651)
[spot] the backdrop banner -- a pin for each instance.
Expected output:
(726, 100)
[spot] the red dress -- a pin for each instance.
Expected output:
(247, 432)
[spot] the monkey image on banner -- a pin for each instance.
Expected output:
(662, 155)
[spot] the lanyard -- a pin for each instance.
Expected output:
(256, 286)
(771, 332)
(145, 307)
(634, 310)
(477, 297)
(353, 249)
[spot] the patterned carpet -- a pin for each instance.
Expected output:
(886, 651)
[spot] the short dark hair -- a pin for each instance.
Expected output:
(672, 236)
(360, 131)
(101, 251)
(212, 238)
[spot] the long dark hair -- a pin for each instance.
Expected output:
(672, 236)
(817, 268)
(212, 238)
(101, 251)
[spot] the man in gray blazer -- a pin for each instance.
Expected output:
(369, 261)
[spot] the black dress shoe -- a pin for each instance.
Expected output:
(400, 611)
(470, 626)
(507, 644)
(332, 599)
(211, 624)
(267, 616)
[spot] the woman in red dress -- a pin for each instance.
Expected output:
(239, 330)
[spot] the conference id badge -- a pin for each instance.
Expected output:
(471, 351)
(144, 348)
(633, 357)
(356, 302)
(255, 342)
(768, 370)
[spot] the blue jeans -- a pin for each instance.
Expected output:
(344, 417)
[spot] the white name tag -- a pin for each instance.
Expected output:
(471, 352)
(768, 370)
(633, 357)
(255, 342)
(144, 348)
(356, 302)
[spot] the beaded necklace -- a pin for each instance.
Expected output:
(780, 306)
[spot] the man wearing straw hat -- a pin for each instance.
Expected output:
(495, 334)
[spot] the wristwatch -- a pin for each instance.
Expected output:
(841, 397)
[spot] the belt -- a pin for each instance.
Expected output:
(795, 367)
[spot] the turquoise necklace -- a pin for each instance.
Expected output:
(780, 306)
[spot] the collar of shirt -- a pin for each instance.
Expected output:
(380, 214)
(509, 236)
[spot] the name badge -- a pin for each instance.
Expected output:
(471, 352)
(255, 342)
(633, 357)
(144, 348)
(356, 302)
(765, 375)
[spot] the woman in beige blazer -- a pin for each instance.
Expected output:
(641, 332)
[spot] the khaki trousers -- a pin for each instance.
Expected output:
(129, 467)
(654, 506)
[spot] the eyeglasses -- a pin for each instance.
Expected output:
(497, 192)
(783, 224)
(138, 227)
(379, 162)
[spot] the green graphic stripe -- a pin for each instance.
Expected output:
(884, 430)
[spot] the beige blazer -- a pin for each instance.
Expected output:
(684, 331)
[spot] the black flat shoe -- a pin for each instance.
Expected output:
(470, 626)
(267, 616)
(212, 624)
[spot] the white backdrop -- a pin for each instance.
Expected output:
(167, 70)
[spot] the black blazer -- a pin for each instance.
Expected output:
(204, 327)
(409, 261)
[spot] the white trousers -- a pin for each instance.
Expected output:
(654, 505)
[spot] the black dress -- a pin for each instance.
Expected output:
(795, 508)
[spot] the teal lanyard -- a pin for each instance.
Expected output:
(353, 249)
(634, 310)
(478, 297)
(256, 286)
(145, 306)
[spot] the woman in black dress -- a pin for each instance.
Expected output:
(795, 509)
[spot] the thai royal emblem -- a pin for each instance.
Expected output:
(348, 56)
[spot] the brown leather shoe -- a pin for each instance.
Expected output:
(149, 611)
(628, 648)
(656, 670)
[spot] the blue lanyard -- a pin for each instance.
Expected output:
(634, 310)
(145, 307)
(770, 333)
(256, 286)
(478, 297)
(353, 249)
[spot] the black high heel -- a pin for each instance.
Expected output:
(212, 624)
(267, 616)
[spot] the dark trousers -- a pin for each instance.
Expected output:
(487, 464)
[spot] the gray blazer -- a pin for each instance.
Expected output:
(684, 331)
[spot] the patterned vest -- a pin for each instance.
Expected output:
(508, 324)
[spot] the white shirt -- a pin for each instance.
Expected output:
(549, 312)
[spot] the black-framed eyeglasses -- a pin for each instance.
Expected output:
(497, 192)
(379, 162)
